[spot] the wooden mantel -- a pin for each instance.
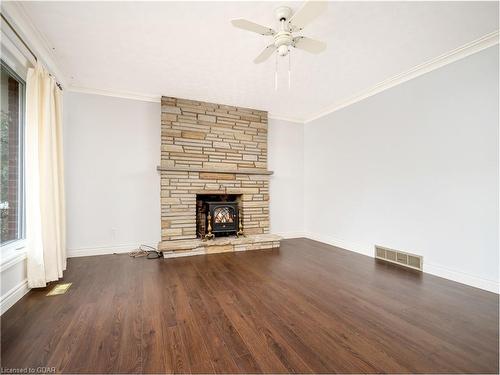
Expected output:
(253, 171)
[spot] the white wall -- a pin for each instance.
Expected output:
(286, 159)
(414, 168)
(112, 148)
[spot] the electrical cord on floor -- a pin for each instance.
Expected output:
(145, 251)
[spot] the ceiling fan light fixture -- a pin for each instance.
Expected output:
(283, 50)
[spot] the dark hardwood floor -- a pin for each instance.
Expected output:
(307, 307)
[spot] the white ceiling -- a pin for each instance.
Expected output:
(190, 49)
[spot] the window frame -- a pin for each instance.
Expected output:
(12, 247)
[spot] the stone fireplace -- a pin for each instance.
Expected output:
(213, 171)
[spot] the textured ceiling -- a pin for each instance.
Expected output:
(190, 49)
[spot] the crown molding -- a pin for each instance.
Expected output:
(153, 99)
(285, 118)
(116, 94)
(17, 15)
(468, 49)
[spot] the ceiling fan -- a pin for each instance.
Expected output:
(290, 23)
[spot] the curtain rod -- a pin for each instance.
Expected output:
(25, 44)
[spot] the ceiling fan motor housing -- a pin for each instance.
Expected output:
(283, 38)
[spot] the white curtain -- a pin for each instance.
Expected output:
(45, 208)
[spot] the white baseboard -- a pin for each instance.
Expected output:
(287, 235)
(103, 250)
(337, 242)
(13, 295)
(462, 278)
(440, 271)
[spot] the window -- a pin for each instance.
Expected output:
(11, 156)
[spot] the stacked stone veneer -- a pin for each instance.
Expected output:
(210, 148)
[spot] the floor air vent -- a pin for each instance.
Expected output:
(399, 257)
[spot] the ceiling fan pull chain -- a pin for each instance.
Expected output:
(289, 69)
(276, 73)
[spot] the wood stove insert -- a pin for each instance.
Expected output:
(218, 215)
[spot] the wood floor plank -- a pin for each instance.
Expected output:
(176, 351)
(304, 308)
(207, 318)
(153, 328)
(269, 350)
(248, 365)
(212, 310)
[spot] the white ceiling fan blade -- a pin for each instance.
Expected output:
(308, 44)
(308, 12)
(252, 26)
(265, 54)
